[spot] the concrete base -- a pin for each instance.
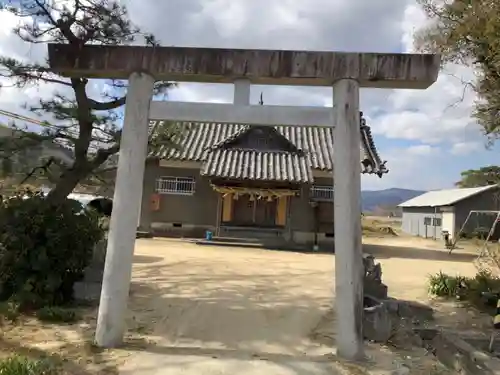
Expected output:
(144, 234)
(308, 237)
(185, 231)
(256, 244)
(167, 229)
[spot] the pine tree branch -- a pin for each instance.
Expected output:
(106, 106)
(44, 168)
(87, 124)
(103, 154)
(25, 74)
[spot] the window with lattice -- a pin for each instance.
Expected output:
(175, 185)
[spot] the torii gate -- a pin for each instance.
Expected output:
(344, 72)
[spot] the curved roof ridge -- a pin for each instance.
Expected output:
(248, 128)
(367, 138)
(316, 143)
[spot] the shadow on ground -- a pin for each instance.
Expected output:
(227, 310)
(145, 259)
(226, 353)
(289, 247)
(233, 313)
(237, 316)
(379, 251)
(383, 251)
(265, 313)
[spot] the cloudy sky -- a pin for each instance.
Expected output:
(427, 137)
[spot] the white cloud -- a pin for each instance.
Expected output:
(409, 169)
(439, 114)
(465, 148)
(422, 150)
(437, 120)
(13, 99)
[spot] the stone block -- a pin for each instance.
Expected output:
(375, 289)
(377, 323)
(90, 287)
(372, 279)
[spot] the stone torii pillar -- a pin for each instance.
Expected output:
(126, 210)
(345, 72)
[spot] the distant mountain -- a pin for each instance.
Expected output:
(371, 199)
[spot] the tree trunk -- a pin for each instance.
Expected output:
(66, 184)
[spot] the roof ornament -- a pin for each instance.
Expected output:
(362, 121)
(261, 101)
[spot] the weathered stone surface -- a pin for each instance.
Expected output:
(410, 309)
(377, 323)
(376, 290)
(372, 281)
(401, 370)
(87, 291)
(90, 287)
(455, 353)
(99, 255)
(381, 70)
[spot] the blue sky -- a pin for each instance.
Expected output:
(428, 137)
(449, 165)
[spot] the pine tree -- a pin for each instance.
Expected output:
(88, 126)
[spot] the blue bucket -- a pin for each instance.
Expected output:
(208, 235)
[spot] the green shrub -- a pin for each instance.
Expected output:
(44, 249)
(480, 290)
(17, 365)
(9, 311)
(443, 285)
(56, 314)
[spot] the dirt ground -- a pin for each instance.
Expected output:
(220, 310)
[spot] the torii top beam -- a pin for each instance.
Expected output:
(263, 67)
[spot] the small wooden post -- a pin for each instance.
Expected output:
(227, 208)
(219, 215)
(281, 211)
(289, 218)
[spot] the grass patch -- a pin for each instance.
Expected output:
(19, 365)
(9, 311)
(482, 290)
(55, 314)
(371, 227)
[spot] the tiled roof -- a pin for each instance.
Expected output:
(257, 165)
(315, 142)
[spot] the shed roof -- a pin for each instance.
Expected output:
(446, 197)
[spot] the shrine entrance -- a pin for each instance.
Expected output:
(251, 212)
(345, 73)
(250, 208)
